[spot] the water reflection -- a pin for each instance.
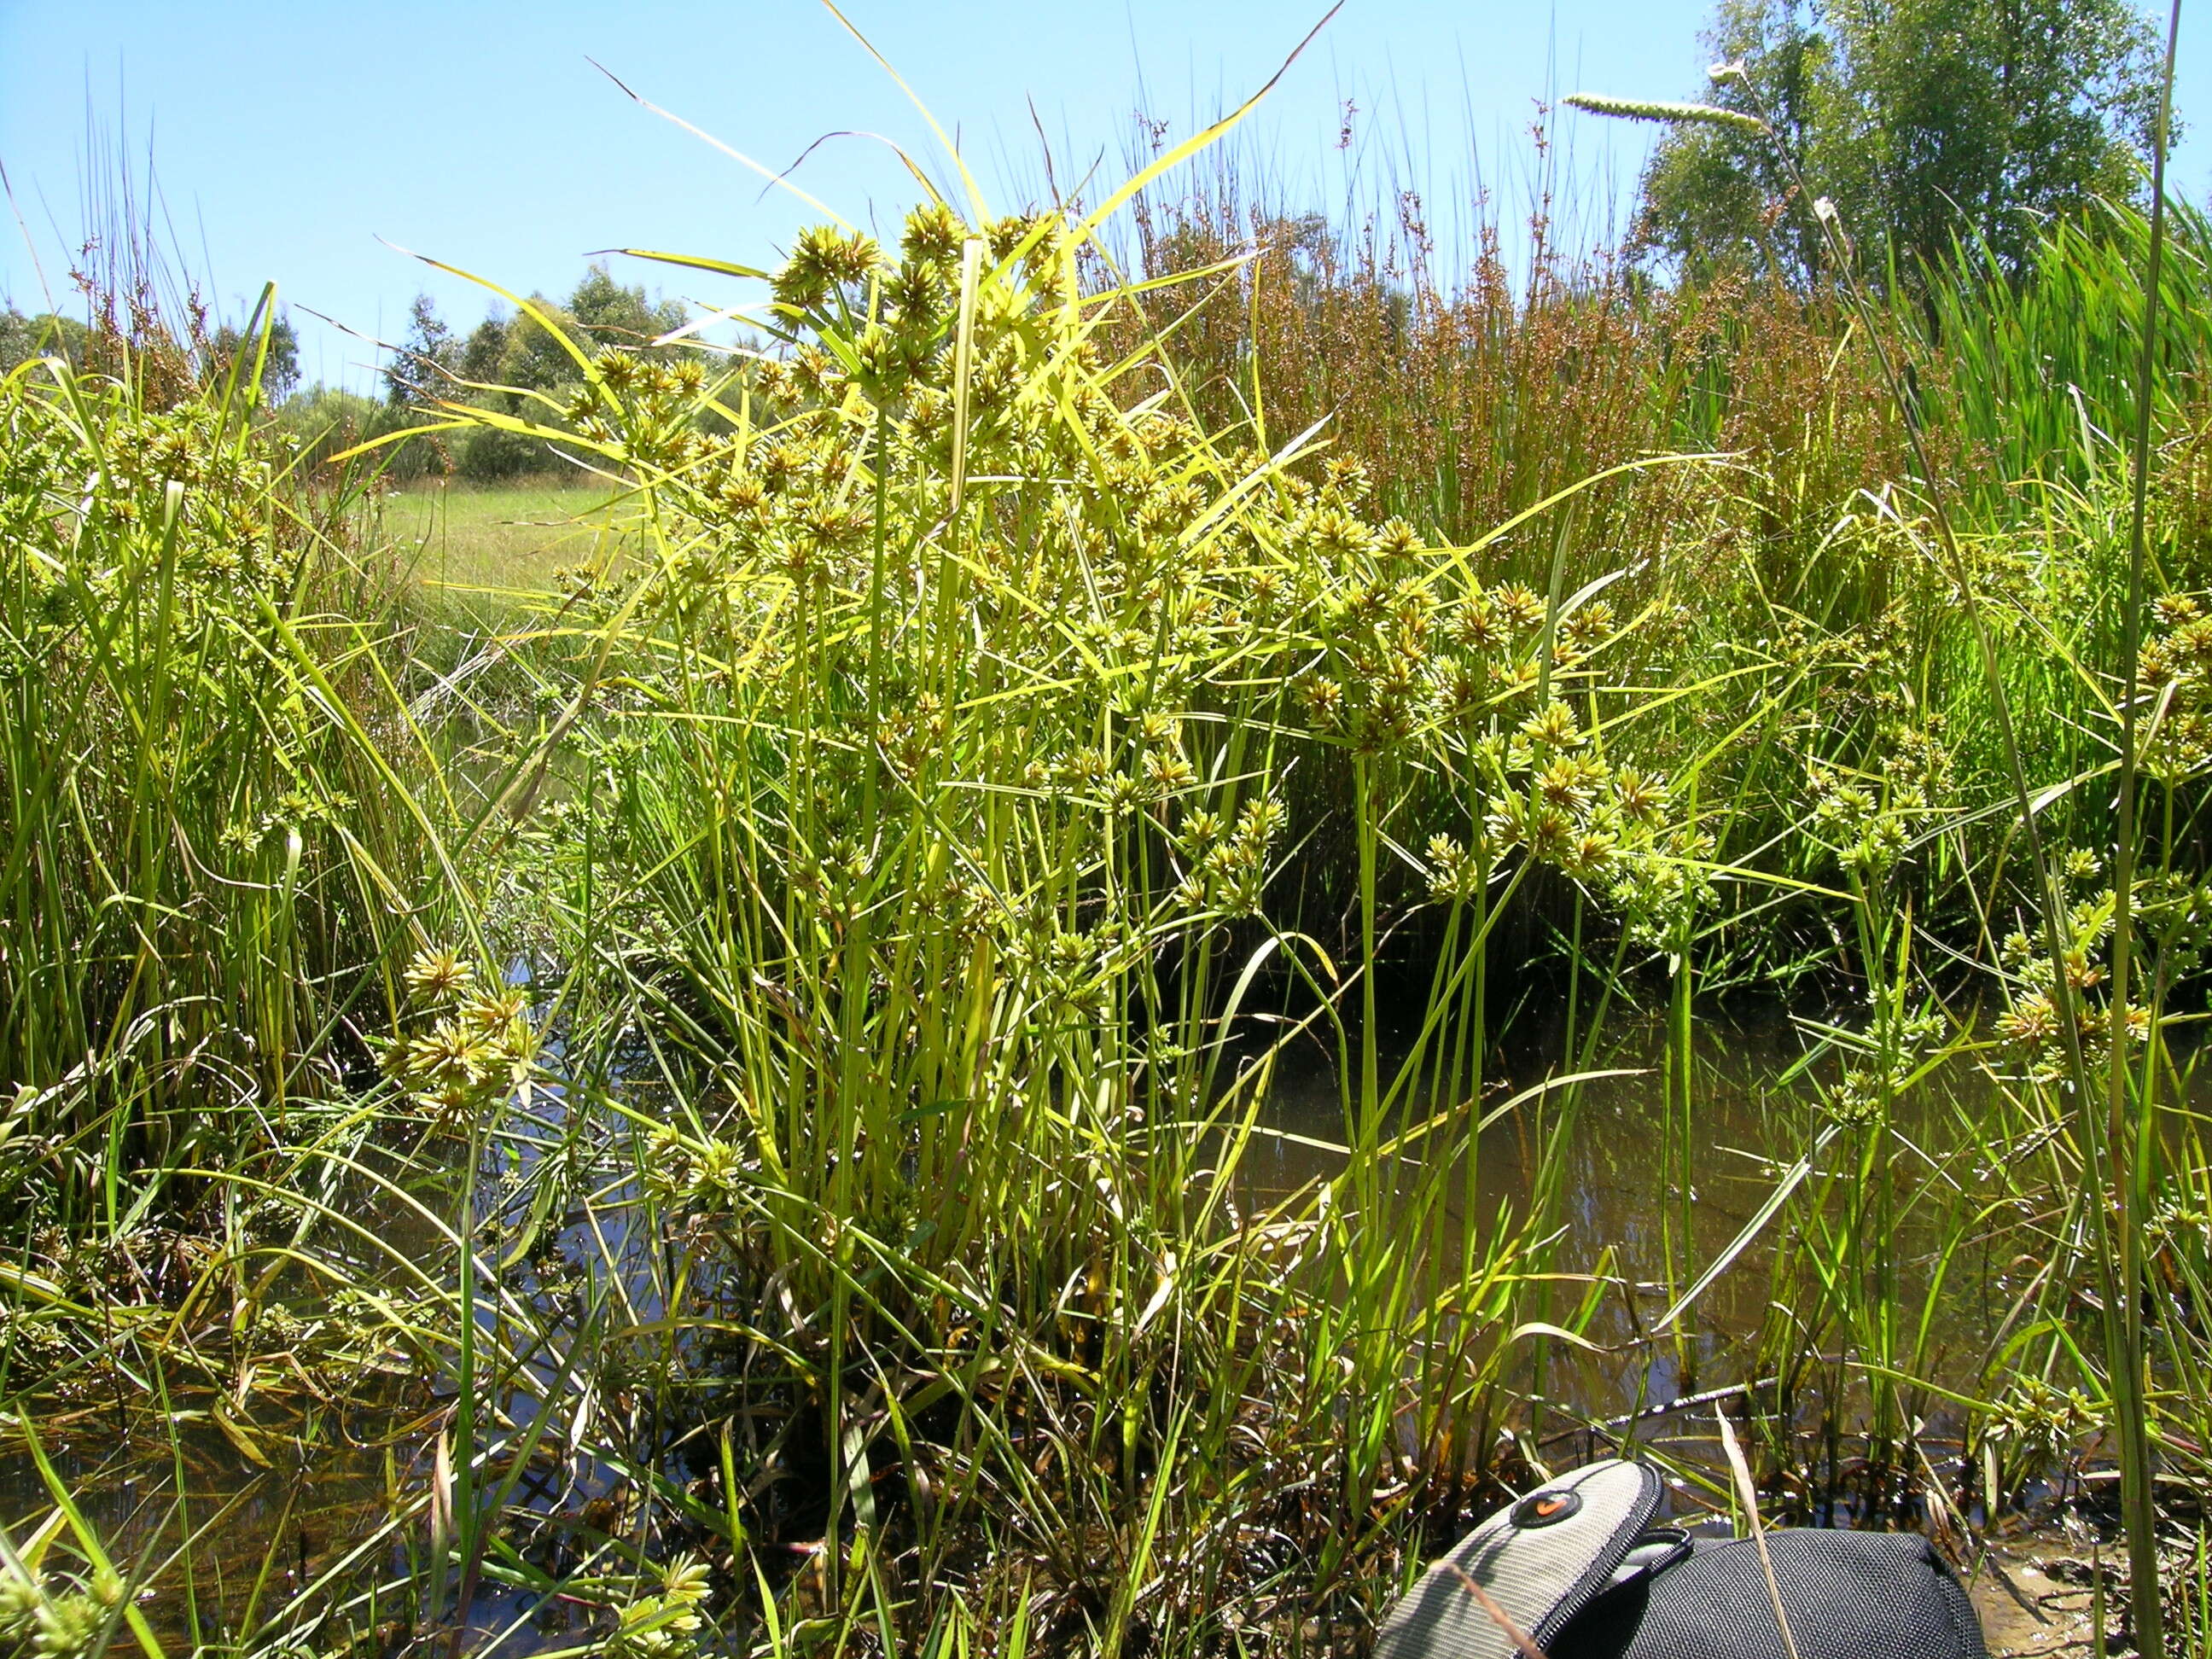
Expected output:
(1651, 1194)
(266, 1489)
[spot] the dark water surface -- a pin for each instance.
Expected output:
(280, 1484)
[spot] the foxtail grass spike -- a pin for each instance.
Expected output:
(1645, 109)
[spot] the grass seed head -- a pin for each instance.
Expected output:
(1674, 114)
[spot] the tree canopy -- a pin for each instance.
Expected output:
(1922, 120)
(505, 355)
(518, 351)
(279, 365)
(23, 336)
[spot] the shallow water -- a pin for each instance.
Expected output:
(294, 1481)
(1623, 1205)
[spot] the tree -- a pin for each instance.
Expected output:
(280, 367)
(600, 312)
(486, 345)
(1924, 120)
(423, 369)
(531, 357)
(46, 334)
(611, 314)
(505, 356)
(321, 420)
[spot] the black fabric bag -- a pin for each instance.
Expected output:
(1578, 1568)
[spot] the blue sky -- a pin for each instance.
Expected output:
(288, 139)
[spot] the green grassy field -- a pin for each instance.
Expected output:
(501, 543)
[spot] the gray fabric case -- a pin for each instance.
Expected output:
(1541, 1569)
(1849, 1595)
(1573, 1568)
